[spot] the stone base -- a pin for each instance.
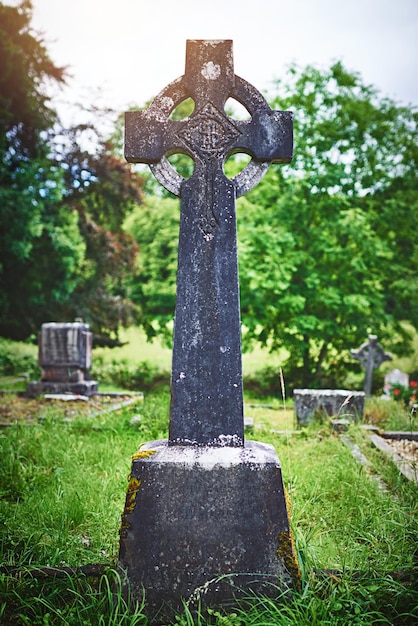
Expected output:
(82, 388)
(204, 525)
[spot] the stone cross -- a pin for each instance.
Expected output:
(206, 384)
(371, 355)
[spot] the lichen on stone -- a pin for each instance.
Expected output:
(143, 454)
(287, 551)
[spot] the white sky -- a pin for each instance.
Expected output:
(131, 49)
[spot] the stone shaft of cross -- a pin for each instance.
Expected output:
(371, 355)
(206, 383)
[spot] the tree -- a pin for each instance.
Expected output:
(102, 191)
(155, 226)
(32, 231)
(64, 195)
(320, 259)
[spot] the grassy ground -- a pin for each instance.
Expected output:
(62, 491)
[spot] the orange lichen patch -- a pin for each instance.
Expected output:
(287, 553)
(130, 502)
(133, 486)
(143, 454)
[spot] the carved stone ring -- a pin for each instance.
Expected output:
(175, 93)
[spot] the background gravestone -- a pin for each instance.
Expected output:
(205, 517)
(332, 402)
(371, 355)
(395, 377)
(65, 358)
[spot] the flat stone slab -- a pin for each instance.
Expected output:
(333, 402)
(202, 523)
(406, 468)
(340, 425)
(400, 434)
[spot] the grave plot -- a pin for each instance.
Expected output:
(23, 410)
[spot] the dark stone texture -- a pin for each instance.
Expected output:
(332, 402)
(201, 523)
(205, 514)
(67, 344)
(371, 355)
(206, 385)
(65, 358)
(340, 425)
(82, 388)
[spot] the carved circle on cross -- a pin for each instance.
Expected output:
(175, 93)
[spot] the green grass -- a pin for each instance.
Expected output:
(390, 415)
(62, 491)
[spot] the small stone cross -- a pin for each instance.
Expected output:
(206, 381)
(371, 355)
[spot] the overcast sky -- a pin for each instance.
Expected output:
(131, 49)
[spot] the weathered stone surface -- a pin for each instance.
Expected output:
(206, 515)
(371, 355)
(405, 466)
(82, 388)
(66, 344)
(206, 384)
(340, 425)
(333, 402)
(65, 357)
(202, 522)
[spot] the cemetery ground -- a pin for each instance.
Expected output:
(63, 476)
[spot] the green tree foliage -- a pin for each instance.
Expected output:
(328, 244)
(155, 226)
(32, 231)
(63, 198)
(101, 190)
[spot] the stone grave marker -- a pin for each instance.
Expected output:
(65, 358)
(337, 403)
(395, 377)
(371, 355)
(205, 513)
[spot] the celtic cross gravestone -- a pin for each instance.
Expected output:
(206, 386)
(371, 355)
(206, 506)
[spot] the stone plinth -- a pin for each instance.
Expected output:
(332, 402)
(82, 388)
(65, 358)
(200, 523)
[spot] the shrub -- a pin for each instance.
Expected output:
(15, 360)
(407, 395)
(144, 377)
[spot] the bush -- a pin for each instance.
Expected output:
(264, 382)
(145, 377)
(15, 360)
(388, 415)
(407, 395)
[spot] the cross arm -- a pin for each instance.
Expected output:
(268, 136)
(148, 137)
